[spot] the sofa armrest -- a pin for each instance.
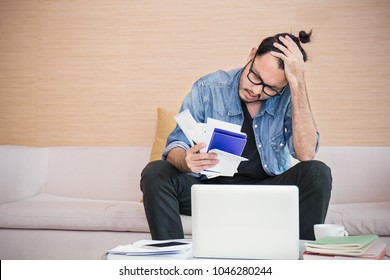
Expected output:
(23, 172)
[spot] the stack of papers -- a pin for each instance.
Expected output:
(223, 138)
(357, 246)
(376, 251)
(146, 248)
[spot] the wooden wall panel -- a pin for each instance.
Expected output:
(93, 72)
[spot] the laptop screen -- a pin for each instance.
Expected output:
(245, 221)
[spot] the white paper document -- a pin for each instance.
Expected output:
(188, 125)
(227, 166)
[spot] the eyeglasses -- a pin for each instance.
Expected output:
(256, 80)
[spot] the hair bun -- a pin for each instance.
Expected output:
(304, 37)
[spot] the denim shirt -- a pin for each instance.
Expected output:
(216, 96)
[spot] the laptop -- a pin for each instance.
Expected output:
(245, 221)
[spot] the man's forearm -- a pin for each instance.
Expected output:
(303, 125)
(176, 156)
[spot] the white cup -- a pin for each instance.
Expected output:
(321, 230)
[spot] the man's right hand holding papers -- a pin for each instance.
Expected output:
(212, 141)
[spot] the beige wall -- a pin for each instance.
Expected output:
(93, 72)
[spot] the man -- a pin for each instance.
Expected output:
(268, 98)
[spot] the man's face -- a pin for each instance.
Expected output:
(264, 78)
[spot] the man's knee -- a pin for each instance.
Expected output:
(317, 167)
(319, 172)
(154, 168)
(155, 172)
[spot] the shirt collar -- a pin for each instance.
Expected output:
(235, 102)
(269, 106)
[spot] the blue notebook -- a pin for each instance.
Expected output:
(228, 141)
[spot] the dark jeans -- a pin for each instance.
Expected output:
(167, 194)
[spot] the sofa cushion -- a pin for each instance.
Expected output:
(361, 218)
(53, 212)
(165, 124)
(23, 172)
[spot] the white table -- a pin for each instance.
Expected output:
(181, 256)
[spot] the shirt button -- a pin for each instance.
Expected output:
(281, 144)
(259, 146)
(265, 166)
(255, 125)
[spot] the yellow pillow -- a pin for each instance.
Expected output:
(165, 124)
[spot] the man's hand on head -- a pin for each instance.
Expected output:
(294, 65)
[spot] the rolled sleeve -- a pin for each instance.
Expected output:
(172, 145)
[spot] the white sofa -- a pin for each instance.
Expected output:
(78, 202)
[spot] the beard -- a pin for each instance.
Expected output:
(247, 96)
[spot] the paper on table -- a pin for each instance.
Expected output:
(136, 248)
(376, 251)
(342, 245)
(343, 242)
